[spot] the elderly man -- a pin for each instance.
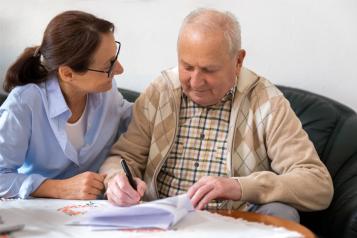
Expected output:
(219, 132)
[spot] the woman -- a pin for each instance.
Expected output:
(63, 112)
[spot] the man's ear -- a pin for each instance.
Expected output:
(240, 58)
(65, 73)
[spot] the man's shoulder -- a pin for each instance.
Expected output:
(263, 93)
(255, 85)
(162, 90)
(264, 86)
(168, 78)
(164, 83)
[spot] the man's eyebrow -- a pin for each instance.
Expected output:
(184, 62)
(210, 67)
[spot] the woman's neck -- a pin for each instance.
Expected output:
(76, 101)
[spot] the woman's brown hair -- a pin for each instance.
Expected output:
(70, 38)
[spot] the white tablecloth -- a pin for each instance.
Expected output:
(48, 218)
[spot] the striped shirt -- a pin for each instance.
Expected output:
(200, 147)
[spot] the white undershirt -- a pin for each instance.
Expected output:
(75, 131)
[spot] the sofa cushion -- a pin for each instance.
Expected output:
(2, 98)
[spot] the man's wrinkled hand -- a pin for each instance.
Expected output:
(209, 188)
(120, 192)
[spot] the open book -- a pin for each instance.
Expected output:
(161, 214)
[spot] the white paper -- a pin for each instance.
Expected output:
(161, 214)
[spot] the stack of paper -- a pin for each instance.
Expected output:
(160, 214)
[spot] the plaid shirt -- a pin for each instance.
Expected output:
(200, 147)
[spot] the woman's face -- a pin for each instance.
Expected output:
(104, 58)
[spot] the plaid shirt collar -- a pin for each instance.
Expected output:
(229, 96)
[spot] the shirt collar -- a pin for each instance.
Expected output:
(229, 96)
(57, 104)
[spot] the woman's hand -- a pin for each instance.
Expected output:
(84, 186)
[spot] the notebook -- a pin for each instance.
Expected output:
(161, 214)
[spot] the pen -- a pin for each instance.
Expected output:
(128, 174)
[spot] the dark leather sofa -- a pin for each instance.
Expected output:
(332, 127)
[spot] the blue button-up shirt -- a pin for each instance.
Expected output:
(33, 142)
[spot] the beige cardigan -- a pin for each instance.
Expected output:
(268, 151)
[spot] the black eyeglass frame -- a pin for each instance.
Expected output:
(109, 71)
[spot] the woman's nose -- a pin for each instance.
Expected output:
(118, 68)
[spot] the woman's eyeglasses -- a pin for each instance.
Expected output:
(109, 71)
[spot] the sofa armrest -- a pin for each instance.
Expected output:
(340, 157)
(340, 219)
(342, 164)
(341, 216)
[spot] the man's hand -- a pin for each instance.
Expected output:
(86, 186)
(121, 193)
(208, 188)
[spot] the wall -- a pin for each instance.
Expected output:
(301, 43)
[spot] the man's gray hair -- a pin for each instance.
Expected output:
(213, 20)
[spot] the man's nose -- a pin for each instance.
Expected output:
(197, 79)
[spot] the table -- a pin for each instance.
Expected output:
(268, 220)
(48, 218)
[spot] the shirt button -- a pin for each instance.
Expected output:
(202, 136)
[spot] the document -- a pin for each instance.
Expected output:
(161, 214)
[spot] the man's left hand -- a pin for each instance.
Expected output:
(208, 188)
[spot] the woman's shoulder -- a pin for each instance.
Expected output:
(26, 94)
(20, 103)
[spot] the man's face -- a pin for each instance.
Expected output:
(207, 70)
